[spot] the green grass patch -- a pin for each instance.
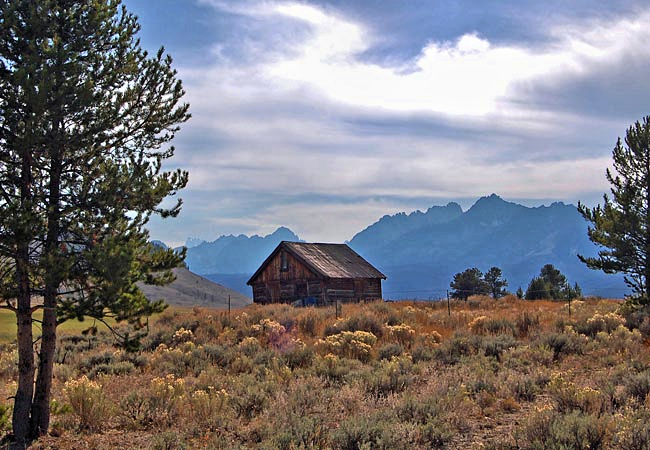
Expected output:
(8, 326)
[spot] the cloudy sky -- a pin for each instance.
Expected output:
(324, 116)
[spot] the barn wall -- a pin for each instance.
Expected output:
(273, 285)
(296, 270)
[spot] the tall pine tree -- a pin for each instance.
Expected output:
(621, 226)
(85, 120)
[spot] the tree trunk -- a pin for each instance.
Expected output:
(23, 236)
(40, 420)
(40, 417)
(25, 391)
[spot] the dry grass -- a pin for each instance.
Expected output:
(490, 374)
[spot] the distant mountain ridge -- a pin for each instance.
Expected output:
(493, 232)
(230, 260)
(421, 251)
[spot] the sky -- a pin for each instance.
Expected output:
(323, 116)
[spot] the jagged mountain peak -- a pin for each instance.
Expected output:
(284, 233)
(390, 227)
(235, 254)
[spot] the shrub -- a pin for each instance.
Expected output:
(349, 344)
(208, 407)
(334, 368)
(364, 322)
(434, 434)
(389, 350)
(300, 356)
(159, 405)
(5, 417)
(8, 362)
(495, 346)
(569, 397)
(525, 389)
(526, 323)
(359, 432)
(563, 344)
(576, 430)
(301, 432)
(633, 431)
(419, 410)
(487, 325)
(308, 323)
(390, 377)
(599, 323)
(219, 354)
(117, 368)
(459, 345)
(168, 440)
(638, 385)
(88, 403)
(423, 353)
(509, 405)
(403, 334)
(87, 364)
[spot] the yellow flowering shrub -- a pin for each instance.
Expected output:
(208, 406)
(182, 335)
(88, 403)
(350, 344)
(402, 333)
(569, 396)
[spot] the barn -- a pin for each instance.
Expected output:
(313, 273)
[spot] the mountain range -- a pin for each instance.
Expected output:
(420, 252)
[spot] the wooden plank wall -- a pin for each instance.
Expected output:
(274, 285)
(296, 270)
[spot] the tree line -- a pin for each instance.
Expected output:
(549, 284)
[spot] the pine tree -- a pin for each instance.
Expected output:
(621, 226)
(551, 284)
(467, 283)
(85, 119)
(495, 283)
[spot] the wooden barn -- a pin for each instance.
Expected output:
(298, 272)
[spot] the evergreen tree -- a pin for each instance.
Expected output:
(551, 284)
(495, 283)
(85, 116)
(467, 283)
(555, 281)
(538, 289)
(621, 226)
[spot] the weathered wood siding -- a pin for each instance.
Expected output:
(325, 291)
(295, 270)
(296, 281)
(274, 285)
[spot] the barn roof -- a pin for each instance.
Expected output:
(327, 260)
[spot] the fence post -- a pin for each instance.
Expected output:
(448, 305)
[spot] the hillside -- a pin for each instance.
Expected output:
(190, 289)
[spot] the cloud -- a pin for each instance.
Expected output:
(468, 76)
(292, 111)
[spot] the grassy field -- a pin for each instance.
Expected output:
(8, 326)
(506, 374)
